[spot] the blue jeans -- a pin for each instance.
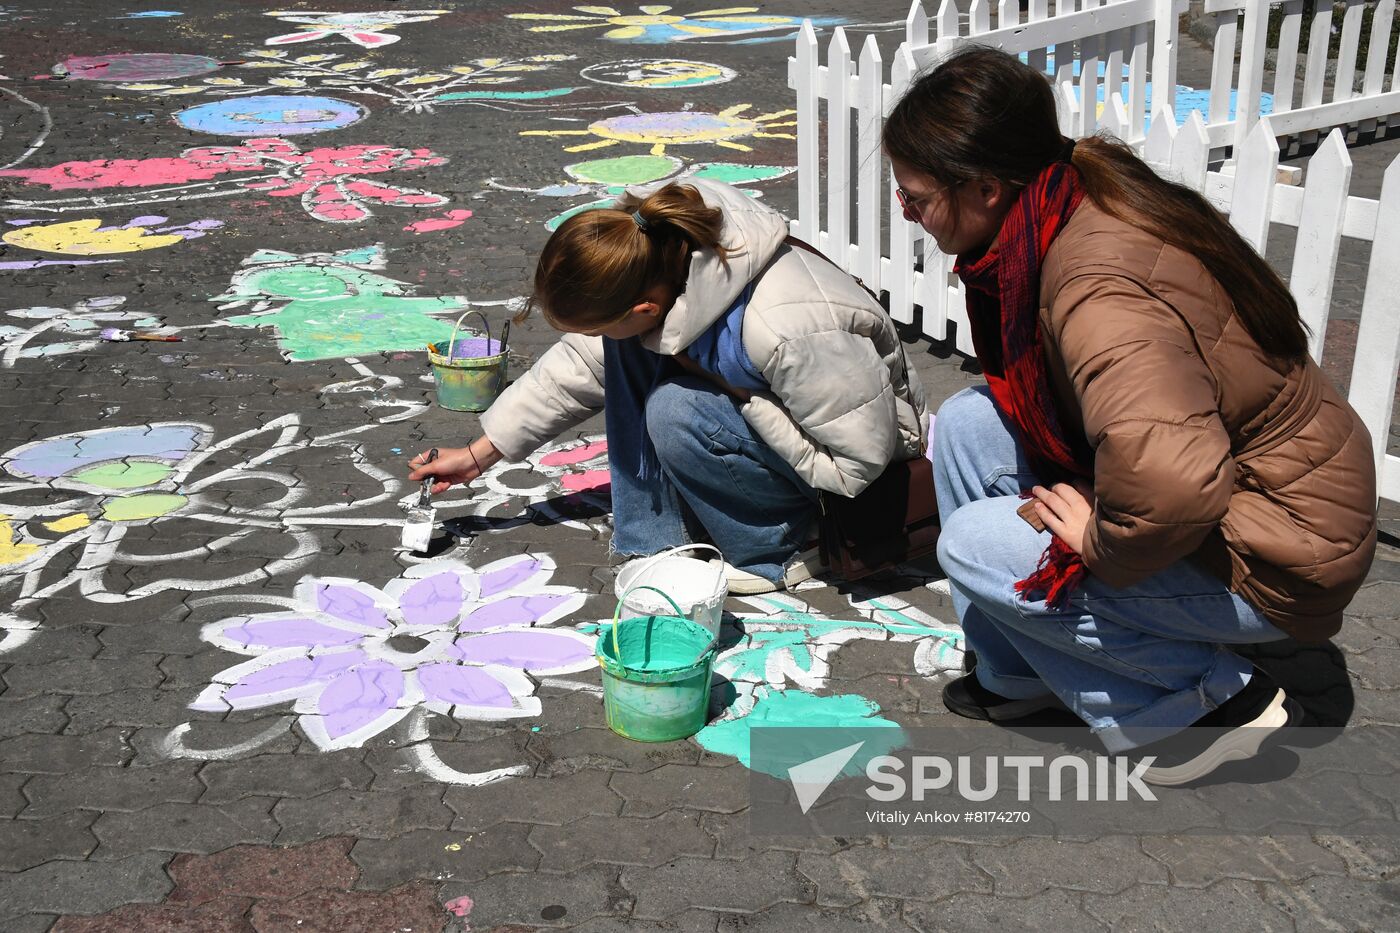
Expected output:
(1135, 663)
(715, 474)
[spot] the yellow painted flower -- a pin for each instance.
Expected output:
(658, 23)
(679, 128)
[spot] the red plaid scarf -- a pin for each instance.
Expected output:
(1003, 305)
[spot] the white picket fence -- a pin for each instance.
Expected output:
(1320, 104)
(848, 215)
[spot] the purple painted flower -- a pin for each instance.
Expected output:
(354, 659)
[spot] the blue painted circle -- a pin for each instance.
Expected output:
(270, 115)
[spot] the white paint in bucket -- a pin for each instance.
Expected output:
(698, 587)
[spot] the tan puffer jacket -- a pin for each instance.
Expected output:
(842, 406)
(1204, 446)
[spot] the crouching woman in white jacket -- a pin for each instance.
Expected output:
(738, 376)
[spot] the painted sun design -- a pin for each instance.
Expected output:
(680, 128)
(658, 23)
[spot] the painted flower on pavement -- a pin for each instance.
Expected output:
(654, 23)
(445, 637)
(605, 179)
(364, 29)
(329, 180)
(164, 498)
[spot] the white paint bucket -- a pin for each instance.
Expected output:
(698, 587)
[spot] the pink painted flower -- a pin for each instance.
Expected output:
(354, 659)
(327, 179)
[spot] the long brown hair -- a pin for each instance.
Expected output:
(982, 113)
(599, 263)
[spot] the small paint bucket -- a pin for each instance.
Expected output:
(470, 372)
(656, 674)
(698, 587)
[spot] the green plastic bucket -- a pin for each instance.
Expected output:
(656, 674)
(470, 372)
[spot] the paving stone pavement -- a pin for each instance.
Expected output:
(163, 769)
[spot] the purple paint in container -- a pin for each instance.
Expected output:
(473, 348)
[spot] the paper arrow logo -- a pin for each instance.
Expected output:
(811, 778)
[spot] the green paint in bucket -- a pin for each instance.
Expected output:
(470, 372)
(656, 674)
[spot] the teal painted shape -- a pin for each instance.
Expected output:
(331, 310)
(554, 222)
(811, 726)
(734, 173)
(505, 95)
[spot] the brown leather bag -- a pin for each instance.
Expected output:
(893, 521)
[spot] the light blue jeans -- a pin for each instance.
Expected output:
(1135, 663)
(714, 473)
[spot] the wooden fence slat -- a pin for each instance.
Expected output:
(1008, 13)
(1137, 79)
(1381, 19)
(980, 17)
(1327, 180)
(1164, 56)
(808, 156)
(1089, 51)
(1256, 171)
(947, 19)
(1064, 51)
(1373, 373)
(916, 24)
(1222, 70)
(1190, 158)
(1315, 71)
(1038, 10)
(869, 163)
(1157, 148)
(1286, 66)
(1344, 88)
(1252, 45)
(899, 281)
(837, 243)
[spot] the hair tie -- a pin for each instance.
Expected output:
(1067, 152)
(642, 223)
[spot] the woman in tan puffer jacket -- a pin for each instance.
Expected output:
(1193, 479)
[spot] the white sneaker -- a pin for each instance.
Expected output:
(801, 568)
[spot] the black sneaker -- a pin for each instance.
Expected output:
(1233, 731)
(968, 698)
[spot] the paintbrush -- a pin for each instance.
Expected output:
(418, 527)
(117, 335)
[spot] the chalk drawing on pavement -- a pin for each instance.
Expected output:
(334, 305)
(605, 179)
(679, 128)
(88, 237)
(367, 30)
(483, 82)
(330, 182)
(355, 660)
(159, 499)
(135, 66)
(655, 23)
(658, 73)
(30, 333)
(270, 115)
